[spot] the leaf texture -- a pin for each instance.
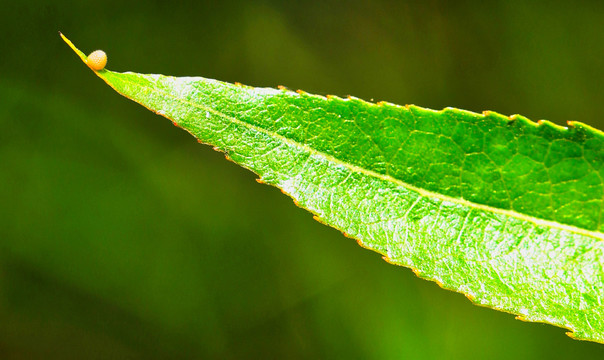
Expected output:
(507, 211)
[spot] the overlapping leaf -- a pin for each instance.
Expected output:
(505, 210)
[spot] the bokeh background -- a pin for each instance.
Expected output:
(121, 237)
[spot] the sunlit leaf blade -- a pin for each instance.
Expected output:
(504, 210)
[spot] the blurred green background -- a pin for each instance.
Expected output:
(121, 237)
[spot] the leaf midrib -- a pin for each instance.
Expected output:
(423, 192)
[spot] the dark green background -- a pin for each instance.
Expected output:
(121, 237)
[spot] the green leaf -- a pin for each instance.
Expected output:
(501, 209)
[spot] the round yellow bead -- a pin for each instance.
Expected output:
(97, 60)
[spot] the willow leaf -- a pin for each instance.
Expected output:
(502, 209)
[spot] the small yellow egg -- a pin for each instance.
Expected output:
(97, 60)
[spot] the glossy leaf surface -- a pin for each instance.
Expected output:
(504, 210)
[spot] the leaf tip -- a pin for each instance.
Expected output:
(73, 47)
(95, 61)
